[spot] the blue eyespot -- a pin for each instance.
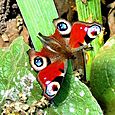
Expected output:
(38, 61)
(62, 26)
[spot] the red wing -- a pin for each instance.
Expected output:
(77, 36)
(51, 78)
(83, 33)
(51, 70)
(40, 60)
(58, 37)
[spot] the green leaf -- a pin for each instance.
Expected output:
(91, 11)
(38, 16)
(14, 69)
(74, 98)
(103, 76)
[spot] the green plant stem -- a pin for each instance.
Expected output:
(87, 12)
(38, 16)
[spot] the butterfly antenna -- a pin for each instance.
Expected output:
(44, 39)
(51, 44)
(82, 47)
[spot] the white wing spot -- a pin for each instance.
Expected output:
(86, 29)
(82, 93)
(47, 82)
(110, 43)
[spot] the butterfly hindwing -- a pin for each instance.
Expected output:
(52, 77)
(83, 33)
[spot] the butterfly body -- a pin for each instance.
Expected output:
(51, 61)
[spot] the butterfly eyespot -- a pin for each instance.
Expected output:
(63, 26)
(52, 89)
(93, 31)
(39, 63)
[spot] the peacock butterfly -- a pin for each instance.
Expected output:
(51, 61)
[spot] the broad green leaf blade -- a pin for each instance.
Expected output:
(38, 16)
(91, 11)
(103, 76)
(15, 73)
(74, 98)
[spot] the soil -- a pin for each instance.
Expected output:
(11, 23)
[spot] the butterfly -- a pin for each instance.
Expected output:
(64, 44)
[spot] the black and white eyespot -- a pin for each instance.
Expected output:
(63, 26)
(39, 62)
(94, 30)
(52, 89)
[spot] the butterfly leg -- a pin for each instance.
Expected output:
(79, 65)
(89, 47)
